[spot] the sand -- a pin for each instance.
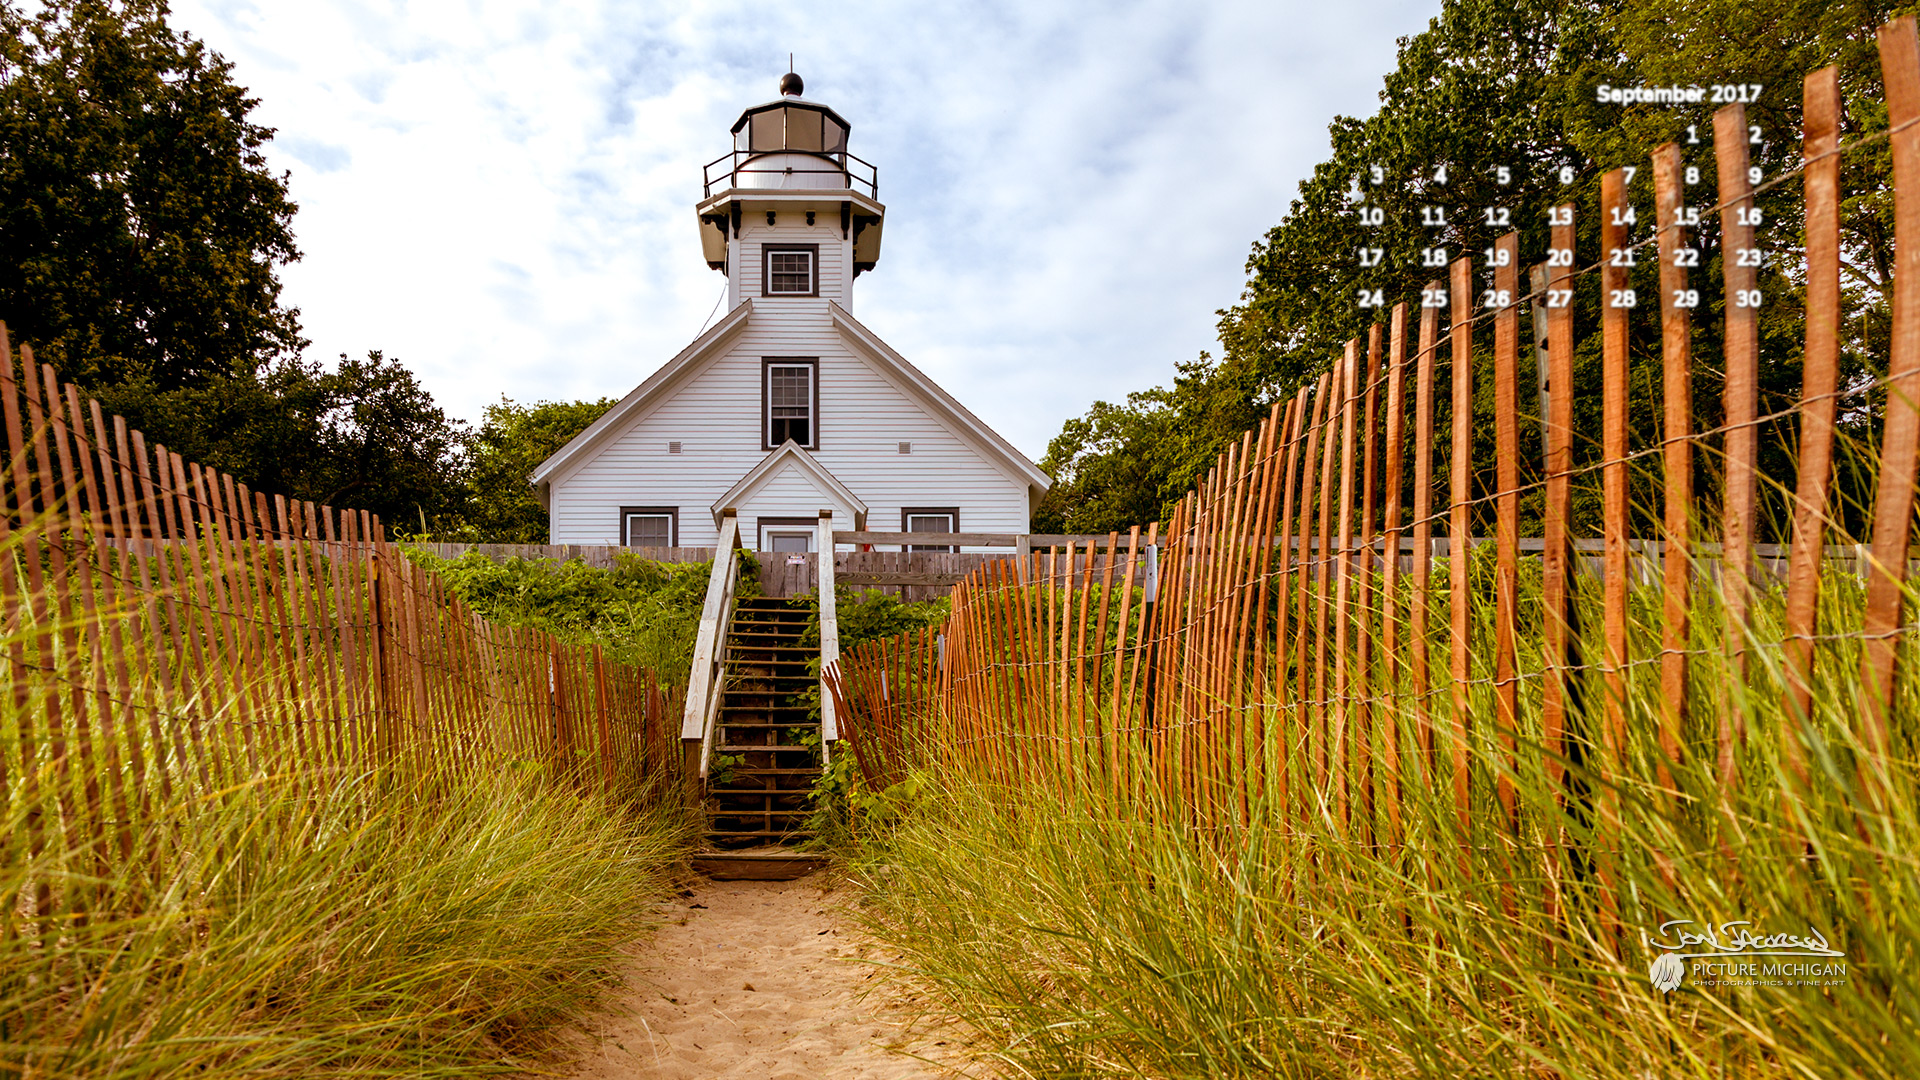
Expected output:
(760, 979)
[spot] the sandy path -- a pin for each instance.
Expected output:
(756, 979)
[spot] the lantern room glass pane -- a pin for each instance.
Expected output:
(803, 130)
(835, 136)
(767, 133)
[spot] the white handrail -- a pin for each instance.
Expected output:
(704, 683)
(829, 632)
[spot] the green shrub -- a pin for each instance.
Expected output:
(640, 612)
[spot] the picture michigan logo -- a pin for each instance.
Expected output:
(1733, 955)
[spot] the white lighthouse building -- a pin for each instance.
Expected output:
(788, 405)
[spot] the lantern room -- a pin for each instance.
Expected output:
(790, 163)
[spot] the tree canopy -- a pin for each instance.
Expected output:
(140, 227)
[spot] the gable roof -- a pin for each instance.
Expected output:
(718, 337)
(937, 400)
(864, 341)
(790, 451)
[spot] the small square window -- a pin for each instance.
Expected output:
(673, 447)
(906, 448)
(649, 526)
(792, 270)
(923, 519)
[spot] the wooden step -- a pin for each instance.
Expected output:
(771, 831)
(758, 864)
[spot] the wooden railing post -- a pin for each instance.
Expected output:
(704, 683)
(829, 632)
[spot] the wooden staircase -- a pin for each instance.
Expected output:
(766, 749)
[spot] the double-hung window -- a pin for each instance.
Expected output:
(650, 526)
(791, 393)
(791, 270)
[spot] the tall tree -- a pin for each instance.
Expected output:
(513, 440)
(140, 227)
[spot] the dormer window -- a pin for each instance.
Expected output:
(792, 270)
(791, 391)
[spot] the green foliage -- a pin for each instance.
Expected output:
(841, 802)
(1501, 84)
(513, 440)
(640, 612)
(361, 926)
(1115, 467)
(863, 615)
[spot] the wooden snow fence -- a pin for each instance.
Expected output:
(1285, 664)
(171, 635)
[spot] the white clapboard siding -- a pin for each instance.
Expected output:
(714, 413)
(836, 256)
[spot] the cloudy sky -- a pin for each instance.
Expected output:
(501, 193)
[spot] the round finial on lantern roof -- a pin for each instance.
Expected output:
(792, 84)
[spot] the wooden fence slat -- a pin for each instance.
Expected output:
(1395, 437)
(1506, 587)
(1459, 553)
(1327, 755)
(1676, 387)
(1338, 735)
(1557, 631)
(1364, 615)
(1420, 602)
(1741, 400)
(1287, 713)
(1820, 151)
(1900, 433)
(1303, 697)
(1614, 243)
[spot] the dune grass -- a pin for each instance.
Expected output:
(352, 925)
(1088, 932)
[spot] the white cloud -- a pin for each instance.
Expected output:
(500, 194)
